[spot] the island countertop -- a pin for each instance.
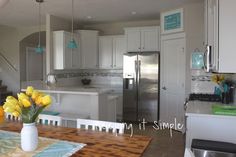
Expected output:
(203, 108)
(86, 90)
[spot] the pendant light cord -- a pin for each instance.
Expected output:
(39, 22)
(72, 20)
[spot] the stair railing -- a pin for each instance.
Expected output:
(8, 62)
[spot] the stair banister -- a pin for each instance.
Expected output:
(8, 62)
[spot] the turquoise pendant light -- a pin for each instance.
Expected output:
(39, 48)
(72, 43)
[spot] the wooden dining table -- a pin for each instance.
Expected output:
(98, 144)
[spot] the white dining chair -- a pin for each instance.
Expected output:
(49, 120)
(10, 117)
(101, 125)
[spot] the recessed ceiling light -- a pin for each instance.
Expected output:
(89, 17)
(133, 12)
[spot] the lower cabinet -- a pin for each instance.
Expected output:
(111, 50)
(111, 108)
(210, 127)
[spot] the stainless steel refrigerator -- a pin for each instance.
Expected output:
(141, 86)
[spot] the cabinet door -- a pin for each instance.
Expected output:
(227, 33)
(118, 51)
(62, 56)
(67, 51)
(89, 49)
(150, 39)
(133, 38)
(105, 51)
(76, 57)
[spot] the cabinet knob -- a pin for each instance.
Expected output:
(164, 88)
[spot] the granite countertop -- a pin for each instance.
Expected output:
(203, 108)
(87, 90)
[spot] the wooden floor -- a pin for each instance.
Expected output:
(162, 145)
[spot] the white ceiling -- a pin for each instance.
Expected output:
(25, 12)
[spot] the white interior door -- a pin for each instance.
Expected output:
(34, 65)
(172, 92)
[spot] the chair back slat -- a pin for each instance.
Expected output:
(50, 120)
(101, 125)
(10, 117)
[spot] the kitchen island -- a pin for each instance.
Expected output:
(84, 101)
(201, 123)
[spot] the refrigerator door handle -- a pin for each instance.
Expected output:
(139, 71)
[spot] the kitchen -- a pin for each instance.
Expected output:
(101, 49)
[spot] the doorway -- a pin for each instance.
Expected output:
(34, 65)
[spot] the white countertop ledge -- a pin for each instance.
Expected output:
(68, 89)
(203, 109)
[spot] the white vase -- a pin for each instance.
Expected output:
(29, 137)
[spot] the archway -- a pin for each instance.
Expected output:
(32, 65)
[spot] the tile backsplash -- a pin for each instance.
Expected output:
(98, 77)
(201, 81)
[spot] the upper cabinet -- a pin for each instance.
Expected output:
(142, 38)
(111, 50)
(89, 48)
(63, 57)
(220, 35)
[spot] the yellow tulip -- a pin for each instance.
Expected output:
(22, 96)
(26, 102)
(29, 90)
(35, 94)
(15, 113)
(8, 107)
(38, 100)
(46, 100)
(12, 100)
(9, 110)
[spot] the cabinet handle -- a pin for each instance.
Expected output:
(208, 59)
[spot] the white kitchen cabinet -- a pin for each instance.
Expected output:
(219, 36)
(118, 50)
(111, 50)
(63, 57)
(89, 48)
(142, 38)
